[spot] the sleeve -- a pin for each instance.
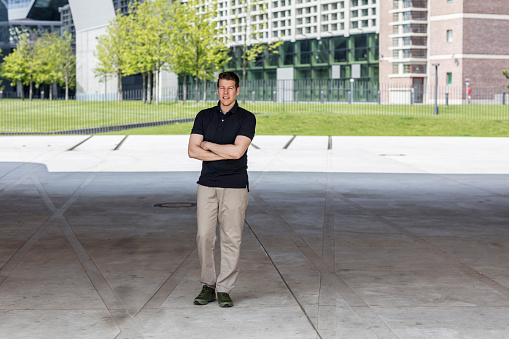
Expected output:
(248, 126)
(198, 124)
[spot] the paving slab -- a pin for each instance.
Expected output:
(345, 237)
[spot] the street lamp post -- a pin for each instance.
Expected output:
(435, 108)
(350, 95)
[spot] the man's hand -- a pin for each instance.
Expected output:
(204, 145)
(228, 151)
(195, 150)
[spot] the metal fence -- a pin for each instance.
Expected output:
(96, 113)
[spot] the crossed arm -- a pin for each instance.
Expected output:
(209, 151)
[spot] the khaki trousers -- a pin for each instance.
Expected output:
(226, 207)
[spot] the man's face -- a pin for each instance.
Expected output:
(227, 92)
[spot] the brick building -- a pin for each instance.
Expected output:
(467, 38)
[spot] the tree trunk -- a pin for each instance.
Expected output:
(144, 92)
(195, 90)
(156, 87)
(67, 88)
(149, 88)
(51, 92)
(30, 91)
(185, 88)
(204, 90)
(119, 86)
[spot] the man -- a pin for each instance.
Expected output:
(220, 138)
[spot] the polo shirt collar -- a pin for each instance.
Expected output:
(232, 111)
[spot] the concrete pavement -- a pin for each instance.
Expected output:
(345, 237)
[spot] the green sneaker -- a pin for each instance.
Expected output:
(206, 295)
(224, 299)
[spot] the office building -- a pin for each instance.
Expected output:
(394, 43)
(323, 39)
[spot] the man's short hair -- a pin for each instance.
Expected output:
(229, 76)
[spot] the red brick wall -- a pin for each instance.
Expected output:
(443, 7)
(485, 6)
(482, 36)
(485, 73)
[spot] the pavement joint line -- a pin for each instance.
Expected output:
(101, 286)
(132, 326)
(165, 290)
(296, 238)
(289, 142)
(79, 144)
(284, 281)
(121, 143)
(447, 177)
(16, 258)
(117, 311)
(14, 183)
(436, 250)
(328, 274)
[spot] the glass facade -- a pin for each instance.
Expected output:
(4, 28)
(313, 58)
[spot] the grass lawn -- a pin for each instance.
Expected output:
(37, 116)
(353, 125)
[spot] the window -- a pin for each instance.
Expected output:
(449, 78)
(449, 35)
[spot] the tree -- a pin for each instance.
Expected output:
(151, 31)
(21, 65)
(198, 50)
(47, 53)
(253, 47)
(67, 63)
(112, 51)
(506, 73)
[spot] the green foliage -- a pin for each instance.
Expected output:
(48, 60)
(66, 66)
(506, 73)
(112, 51)
(197, 49)
(150, 38)
(162, 35)
(253, 47)
(20, 65)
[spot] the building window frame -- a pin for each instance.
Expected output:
(449, 37)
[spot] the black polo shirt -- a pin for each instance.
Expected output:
(222, 129)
